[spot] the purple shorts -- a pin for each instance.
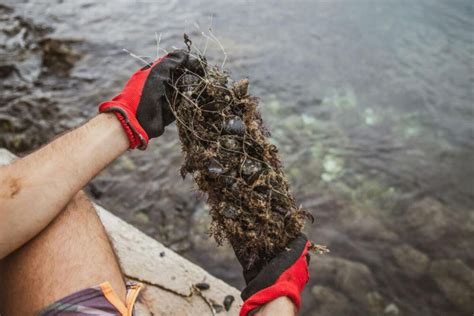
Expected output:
(97, 300)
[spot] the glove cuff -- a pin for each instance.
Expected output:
(290, 283)
(270, 294)
(136, 134)
(134, 141)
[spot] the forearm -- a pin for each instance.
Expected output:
(34, 189)
(281, 306)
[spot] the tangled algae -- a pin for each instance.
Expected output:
(228, 153)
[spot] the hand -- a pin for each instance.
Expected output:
(142, 107)
(285, 275)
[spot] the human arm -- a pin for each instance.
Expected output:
(282, 306)
(34, 189)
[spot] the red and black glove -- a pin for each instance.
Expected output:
(285, 275)
(142, 107)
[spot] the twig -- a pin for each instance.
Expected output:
(137, 57)
(220, 45)
(158, 40)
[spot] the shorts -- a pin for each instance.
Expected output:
(98, 300)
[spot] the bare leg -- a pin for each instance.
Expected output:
(70, 254)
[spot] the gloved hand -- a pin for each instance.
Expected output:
(142, 106)
(285, 275)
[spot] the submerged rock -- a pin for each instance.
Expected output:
(391, 310)
(375, 303)
(58, 55)
(428, 219)
(365, 223)
(329, 302)
(25, 122)
(413, 262)
(456, 281)
(353, 278)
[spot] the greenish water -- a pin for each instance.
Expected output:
(369, 102)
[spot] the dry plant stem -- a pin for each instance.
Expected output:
(228, 153)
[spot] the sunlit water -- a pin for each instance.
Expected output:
(370, 103)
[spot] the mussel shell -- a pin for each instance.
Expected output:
(214, 168)
(251, 167)
(228, 300)
(229, 142)
(234, 126)
(229, 212)
(202, 286)
(188, 79)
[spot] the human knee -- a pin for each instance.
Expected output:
(80, 201)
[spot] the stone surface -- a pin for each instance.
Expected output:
(355, 279)
(364, 223)
(374, 302)
(412, 261)
(456, 280)
(329, 301)
(391, 310)
(352, 278)
(167, 277)
(428, 219)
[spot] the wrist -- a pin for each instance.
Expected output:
(132, 137)
(285, 276)
(279, 306)
(111, 132)
(136, 134)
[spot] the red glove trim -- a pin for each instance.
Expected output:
(134, 142)
(290, 283)
(136, 134)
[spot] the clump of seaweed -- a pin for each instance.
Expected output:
(228, 153)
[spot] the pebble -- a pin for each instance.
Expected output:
(217, 308)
